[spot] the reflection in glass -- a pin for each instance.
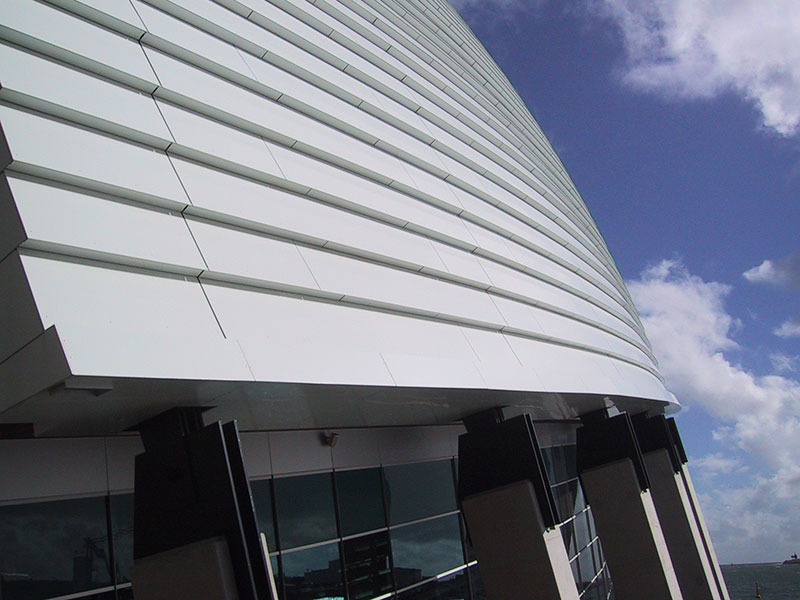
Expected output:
(360, 500)
(419, 490)
(313, 574)
(122, 535)
(305, 509)
(367, 565)
(453, 587)
(261, 489)
(52, 549)
(426, 549)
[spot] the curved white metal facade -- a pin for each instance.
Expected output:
(343, 192)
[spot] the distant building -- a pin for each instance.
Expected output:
(312, 217)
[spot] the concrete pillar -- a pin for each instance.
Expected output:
(677, 511)
(519, 558)
(510, 512)
(615, 483)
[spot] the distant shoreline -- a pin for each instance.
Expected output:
(762, 564)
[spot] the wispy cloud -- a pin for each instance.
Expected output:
(692, 336)
(717, 463)
(788, 329)
(783, 363)
(702, 48)
(782, 272)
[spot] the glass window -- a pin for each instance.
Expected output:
(305, 509)
(453, 587)
(360, 500)
(53, 548)
(313, 574)
(122, 535)
(261, 489)
(419, 490)
(426, 549)
(367, 565)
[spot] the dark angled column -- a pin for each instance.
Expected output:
(510, 512)
(195, 531)
(675, 511)
(711, 556)
(615, 482)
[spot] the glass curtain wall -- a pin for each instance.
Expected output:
(393, 531)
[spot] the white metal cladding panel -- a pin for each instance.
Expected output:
(357, 196)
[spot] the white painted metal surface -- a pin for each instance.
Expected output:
(346, 193)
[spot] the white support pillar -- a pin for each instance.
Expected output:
(519, 558)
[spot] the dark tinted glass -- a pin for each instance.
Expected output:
(453, 587)
(305, 509)
(575, 573)
(580, 500)
(419, 490)
(125, 593)
(570, 462)
(582, 536)
(313, 574)
(568, 533)
(261, 489)
(565, 496)
(360, 500)
(426, 549)
(367, 566)
(559, 464)
(478, 593)
(547, 456)
(587, 568)
(122, 535)
(53, 548)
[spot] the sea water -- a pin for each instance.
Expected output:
(775, 581)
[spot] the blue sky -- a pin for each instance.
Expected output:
(679, 121)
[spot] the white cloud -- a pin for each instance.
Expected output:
(782, 272)
(702, 48)
(716, 463)
(789, 328)
(691, 333)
